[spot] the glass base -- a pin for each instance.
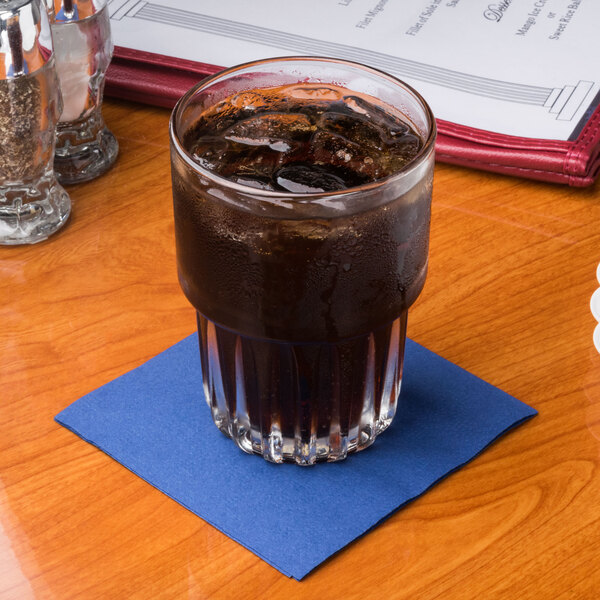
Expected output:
(302, 403)
(85, 161)
(30, 214)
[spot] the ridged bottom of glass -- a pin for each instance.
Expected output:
(30, 213)
(304, 402)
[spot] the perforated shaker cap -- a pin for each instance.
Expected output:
(67, 11)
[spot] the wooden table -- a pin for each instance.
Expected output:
(512, 271)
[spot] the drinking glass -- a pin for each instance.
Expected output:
(302, 298)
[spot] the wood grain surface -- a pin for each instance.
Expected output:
(512, 269)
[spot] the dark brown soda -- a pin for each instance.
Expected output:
(301, 317)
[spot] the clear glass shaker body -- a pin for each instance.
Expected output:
(85, 147)
(32, 203)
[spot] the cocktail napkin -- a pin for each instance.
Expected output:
(154, 421)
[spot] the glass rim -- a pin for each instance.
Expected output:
(415, 162)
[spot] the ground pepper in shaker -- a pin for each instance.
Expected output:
(85, 148)
(32, 203)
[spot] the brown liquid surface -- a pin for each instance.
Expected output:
(302, 139)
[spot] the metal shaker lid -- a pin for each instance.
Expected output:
(25, 38)
(66, 11)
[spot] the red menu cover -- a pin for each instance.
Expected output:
(160, 80)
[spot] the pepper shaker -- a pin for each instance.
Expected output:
(85, 148)
(32, 203)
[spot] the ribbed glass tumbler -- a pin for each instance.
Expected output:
(302, 295)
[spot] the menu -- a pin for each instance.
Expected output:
(526, 68)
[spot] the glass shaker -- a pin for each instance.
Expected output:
(32, 204)
(85, 148)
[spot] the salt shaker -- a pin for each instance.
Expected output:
(85, 148)
(32, 203)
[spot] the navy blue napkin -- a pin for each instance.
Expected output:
(154, 421)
